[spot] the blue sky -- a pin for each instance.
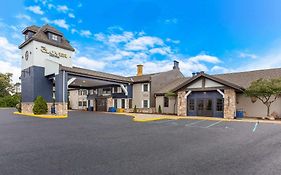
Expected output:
(215, 36)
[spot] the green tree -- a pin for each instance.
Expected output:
(40, 106)
(267, 91)
(6, 86)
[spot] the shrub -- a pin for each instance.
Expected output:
(40, 106)
(9, 101)
(159, 109)
(135, 109)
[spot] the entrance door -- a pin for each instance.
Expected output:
(205, 107)
(101, 104)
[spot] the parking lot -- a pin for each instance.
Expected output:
(100, 143)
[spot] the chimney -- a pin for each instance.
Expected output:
(139, 69)
(193, 74)
(176, 64)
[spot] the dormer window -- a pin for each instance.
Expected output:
(54, 37)
(28, 35)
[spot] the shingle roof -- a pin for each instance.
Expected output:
(142, 78)
(172, 85)
(41, 36)
(97, 74)
(244, 79)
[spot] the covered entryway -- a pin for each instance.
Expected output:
(205, 95)
(209, 104)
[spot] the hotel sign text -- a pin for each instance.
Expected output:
(53, 53)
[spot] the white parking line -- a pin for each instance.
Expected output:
(213, 124)
(255, 127)
(190, 124)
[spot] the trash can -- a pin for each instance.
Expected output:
(239, 114)
(111, 109)
(53, 109)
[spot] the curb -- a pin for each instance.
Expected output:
(42, 116)
(134, 116)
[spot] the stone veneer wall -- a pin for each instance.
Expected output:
(229, 103)
(181, 104)
(61, 108)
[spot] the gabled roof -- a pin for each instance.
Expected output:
(171, 85)
(147, 77)
(97, 74)
(142, 78)
(200, 75)
(244, 79)
(41, 36)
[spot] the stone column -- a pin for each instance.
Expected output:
(126, 103)
(181, 110)
(229, 103)
(61, 108)
(109, 103)
(26, 107)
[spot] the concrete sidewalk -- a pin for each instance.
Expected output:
(139, 117)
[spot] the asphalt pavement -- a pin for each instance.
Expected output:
(104, 144)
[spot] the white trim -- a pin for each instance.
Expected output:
(148, 104)
(148, 87)
(71, 80)
(124, 89)
(221, 92)
(187, 94)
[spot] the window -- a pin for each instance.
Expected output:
(209, 104)
(115, 103)
(166, 102)
(84, 103)
(85, 92)
(123, 103)
(80, 92)
(200, 104)
(145, 87)
(80, 103)
(54, 37)
(191, 104)
(115, 89)
(219, 104)
(145, 103)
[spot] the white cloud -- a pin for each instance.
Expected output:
(161, 50)
(124, 37)
(24, 16)
(143, 43)
(173, 41)
(205, 58)
(171, 21)
(89, 63)
(9, 58)
(6, 67)
(85, 33)
(247, 55)
(35, 9)
(8, 51)
(74, 31)
(219, 69)
(71, 15)
(59, 22)
(62, 8)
